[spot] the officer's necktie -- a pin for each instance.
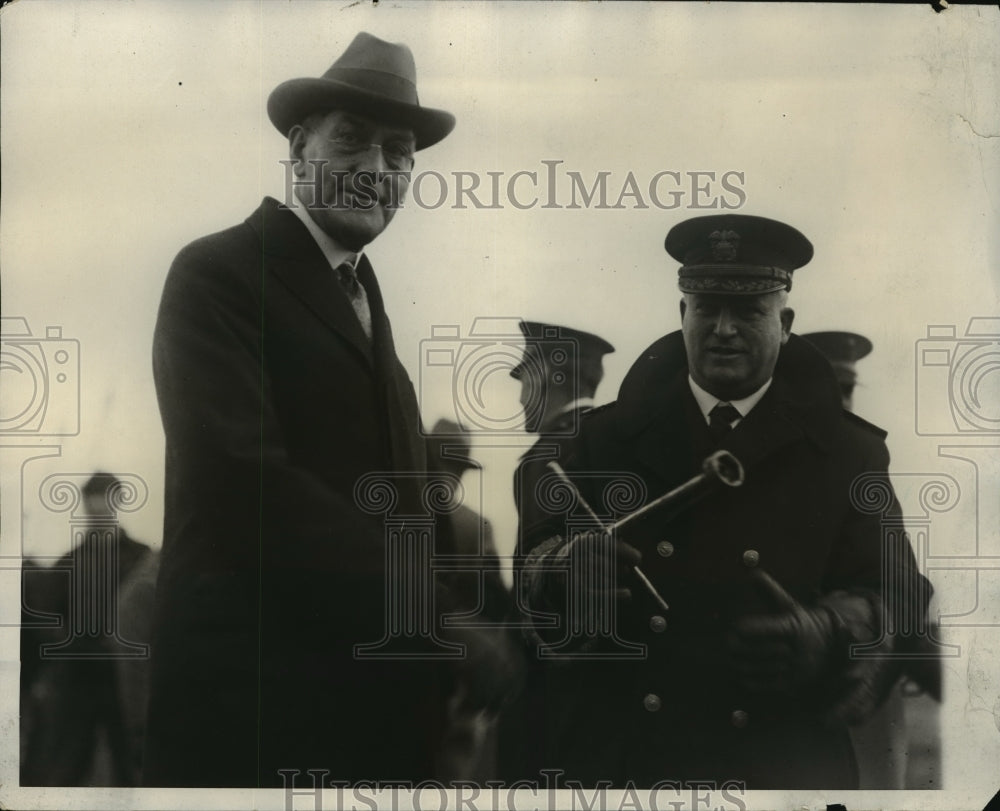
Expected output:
(355, 291)
(721, 419)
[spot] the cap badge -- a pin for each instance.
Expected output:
(724, 245)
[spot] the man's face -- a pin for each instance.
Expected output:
(533, 386)
(732, 342)
(96, 505)
(361, 168)
(545, 392)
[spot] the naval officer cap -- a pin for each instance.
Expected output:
(562, 346)
(843, 350)
(736, 254)
(840, 347)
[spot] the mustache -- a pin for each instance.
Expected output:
(368, 189)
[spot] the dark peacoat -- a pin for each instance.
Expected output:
(274, 405)
(676, 711)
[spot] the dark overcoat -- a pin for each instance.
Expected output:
(72, 727)
(553, 445)
(274, 406)
(676, 712)
(522, 733)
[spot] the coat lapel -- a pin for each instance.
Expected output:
(803, 403)
(764, 431)
(295, 259)
(382, 345)
(406, 440)
(293, 256)
(655, 425)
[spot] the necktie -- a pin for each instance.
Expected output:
(355, 291)
(720, 420)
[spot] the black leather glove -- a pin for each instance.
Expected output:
(786, 650)
(578, 579)
(598, 565)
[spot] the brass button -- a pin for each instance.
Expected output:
(665, 549)
(751, 558)
(652, 702)
(657, 624)
(739, 718)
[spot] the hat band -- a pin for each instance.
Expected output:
(728, 278)
(395, 88)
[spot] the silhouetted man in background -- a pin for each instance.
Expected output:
(74, 732)
(559, 374)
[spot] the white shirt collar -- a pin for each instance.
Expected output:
(335, 253)
(706, 402)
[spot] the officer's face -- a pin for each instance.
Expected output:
(545, 391)
(360, 167)
(532, 375)
(732, 342)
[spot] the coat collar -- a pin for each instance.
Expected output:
(655, 399)
(293, 256)
(565, 423)
(563, 428)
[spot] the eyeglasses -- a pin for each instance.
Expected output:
(398, 153)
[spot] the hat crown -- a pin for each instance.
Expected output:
(449, 428)
(378, 66)
(536, 332)
(574, 349)
(372, 78)
(449, 433)
(724, 245)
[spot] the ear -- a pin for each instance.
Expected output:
(787, 316)
(296, 148)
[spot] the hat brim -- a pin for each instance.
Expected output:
(294, 100)
(434, 454)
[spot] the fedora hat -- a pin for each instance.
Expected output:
(449, 442)
(372, 77)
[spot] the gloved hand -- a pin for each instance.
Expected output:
(598, 565)
(782, 651)
(581, 580)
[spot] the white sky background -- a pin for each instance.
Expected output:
(129, 130)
